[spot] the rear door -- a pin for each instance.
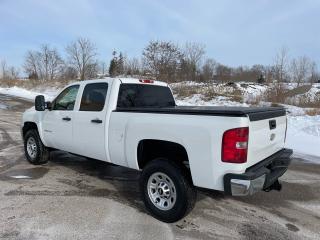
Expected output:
(266, 137)
(89, 124)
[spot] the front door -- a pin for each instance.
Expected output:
(90, 122)
(57, 123)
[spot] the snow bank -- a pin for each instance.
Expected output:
(49, 93)
(197, 100)
(303, 134)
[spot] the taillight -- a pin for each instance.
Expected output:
(146, 81)
(235, 145)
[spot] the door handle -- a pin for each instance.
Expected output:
(66, 119)
(272, 124)
(96, 121)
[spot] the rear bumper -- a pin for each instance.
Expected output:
(262, 176)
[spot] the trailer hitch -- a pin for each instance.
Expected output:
(275, 186)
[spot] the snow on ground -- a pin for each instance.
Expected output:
(2, 106)
(304, 134)
(251, 91)
(197, 99)
(303, 131)
(49, 93)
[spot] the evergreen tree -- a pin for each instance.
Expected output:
(116, 64)
(113, 65)
(120, 64)
(112, 68)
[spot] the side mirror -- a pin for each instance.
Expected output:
(40, 103)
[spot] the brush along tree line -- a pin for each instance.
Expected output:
(163, 60)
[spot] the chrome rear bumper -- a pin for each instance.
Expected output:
(262, 176)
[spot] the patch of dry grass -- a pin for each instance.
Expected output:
(209, 92)
(32, 84)
(307, 103)
(313, 112)
(298, 90)
(275, 94)
(183, 91)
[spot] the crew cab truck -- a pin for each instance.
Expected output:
(136, 123)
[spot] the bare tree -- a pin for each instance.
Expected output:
(103, 68)
(3, 69)
(162, 59)
(194, 52)
(92, 70)
(132, 66)
(223, 73)
(51, 62)
(314, 73)
(302, 70)
(13, 72)
(31, 64)
(82, 54)
(209, 69)
(44, 64)
(192, 56)
(281, 64)
(69, 73)
(8, 72)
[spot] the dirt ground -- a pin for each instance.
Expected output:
(75, 198)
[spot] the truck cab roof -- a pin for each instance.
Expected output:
(124, 80)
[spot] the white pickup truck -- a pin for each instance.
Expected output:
(136, 124)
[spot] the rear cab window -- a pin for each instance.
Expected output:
(94, 97)
(144, 96)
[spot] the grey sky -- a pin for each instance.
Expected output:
(235, 32)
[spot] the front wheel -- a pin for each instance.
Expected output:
(36, 153)
(167, 190)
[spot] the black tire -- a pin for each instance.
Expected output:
(185, 192)
(42, 153)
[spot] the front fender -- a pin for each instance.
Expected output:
(33, 116)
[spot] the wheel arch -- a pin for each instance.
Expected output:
(29, 126)
(149, 149)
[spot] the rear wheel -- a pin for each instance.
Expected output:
(167, 190)
(36, 153)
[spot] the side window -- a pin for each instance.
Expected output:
(94, 97)
(66, 99)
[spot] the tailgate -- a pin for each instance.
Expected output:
(266, 137)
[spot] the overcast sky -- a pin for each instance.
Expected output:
(235, 32)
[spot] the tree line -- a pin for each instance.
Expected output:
(162, 60)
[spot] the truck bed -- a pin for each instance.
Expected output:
(254, 113)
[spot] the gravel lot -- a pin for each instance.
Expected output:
(75, 198)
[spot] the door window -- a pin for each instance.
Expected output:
(66, 99)
(94, 97)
